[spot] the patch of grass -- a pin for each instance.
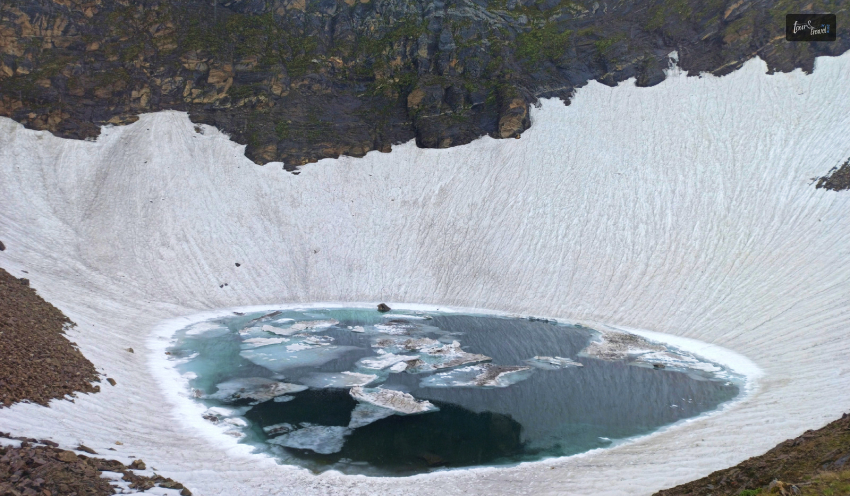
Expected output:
(281, 129)
(239, 92)
(604, 45)
(828, 484)
(546, 43)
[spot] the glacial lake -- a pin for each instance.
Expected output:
(405, 392)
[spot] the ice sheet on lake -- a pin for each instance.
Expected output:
(552, 363)
(339, 379)
(394, 400)
(257, 389)
(321, 439)
(483, 375)
(367, 413)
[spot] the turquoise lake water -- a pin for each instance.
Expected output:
(488, 390)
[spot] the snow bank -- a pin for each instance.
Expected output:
(686, 208)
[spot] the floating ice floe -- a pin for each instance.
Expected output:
(277, 429)
(283, 399)
(299, 351)
(610, 345)
(483, 375)
(394, 344)
(384, 360)
(314, 324)
(444, 357)
(403, 316)
(207, 328)
(265, 317)
(258, 342)
(367, 413)
(552, 363)
(321, 439)
(619, 346)
(432, 354)
(357, 329)
(339, 379)
(217, 414)
(393, 400)
(236, 421)
(399, 367)
(258, 389)
(677, 359)
(395, 328)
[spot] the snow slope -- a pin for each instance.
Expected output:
(686, 208)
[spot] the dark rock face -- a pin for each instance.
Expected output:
(837, 179)
(300, 80)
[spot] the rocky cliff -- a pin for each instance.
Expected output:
(300, 80)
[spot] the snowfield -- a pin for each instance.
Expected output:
(686, 209)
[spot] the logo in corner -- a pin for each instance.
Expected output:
(810, 27)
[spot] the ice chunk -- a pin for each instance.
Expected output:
(299, 351)
(283, 399)
(610, 345)
(432, 354)
(277, 429)
(394, 400)
(309, 342)
(321, 439)
(205, 328)
(253, 389)
(267, 316)
(237, 421)
(484, 375)
(402, 316)
(288, 331)
(444, 357)
(385, 360)
(399, 367)
(258, 342)
(394, 329)
(314, 324)
(357, 329)
(339, 379)
(552, 363)
(366, 413)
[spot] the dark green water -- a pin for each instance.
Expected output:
(540, 412)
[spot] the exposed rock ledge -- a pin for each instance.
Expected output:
(301, 80)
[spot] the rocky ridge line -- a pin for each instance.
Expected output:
(301, 80)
